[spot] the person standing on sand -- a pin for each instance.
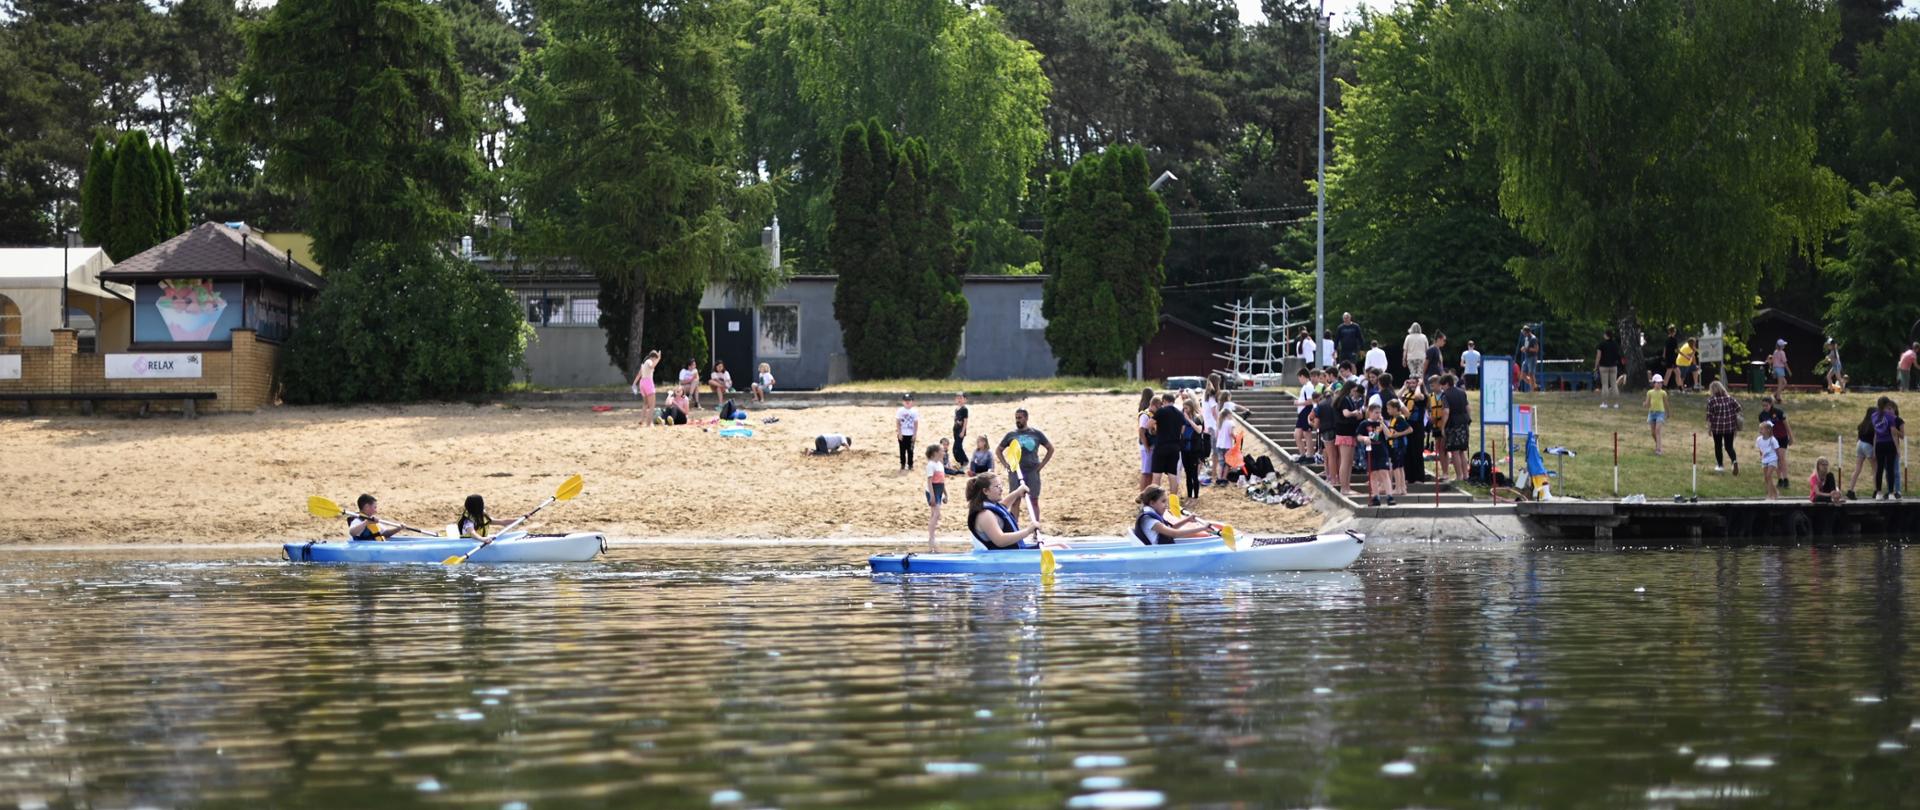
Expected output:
(936, 492)
(906, 422)
(643, 384)
(1143, 433)
(1027, 473)
(960, 414)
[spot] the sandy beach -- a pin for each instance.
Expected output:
(73, 480)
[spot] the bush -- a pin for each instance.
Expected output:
(403, 323)
(1106, 234)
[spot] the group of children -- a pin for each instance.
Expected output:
(685, 397)
(1353, 422)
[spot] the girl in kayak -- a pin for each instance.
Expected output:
(991, 521)
(474, 520)
(1151, 527)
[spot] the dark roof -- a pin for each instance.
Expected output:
(970, 278)
(214, 250)
(1788, 318)
(1166, 319)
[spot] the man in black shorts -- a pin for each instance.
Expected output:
(1168, 422)
(1456, 434)
(1031, 462)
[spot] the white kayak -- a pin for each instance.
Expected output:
(511, 547)
(1251, 555)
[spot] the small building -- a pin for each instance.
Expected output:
(1806, 345)
(793, 331)
(1179, 349)
(201, 314)
(36, 282)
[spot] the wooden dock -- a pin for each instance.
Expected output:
(1782, 520)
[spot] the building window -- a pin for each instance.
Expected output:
(1030, 317)
(9, 323)
(562, 308)
(779, 330)
(584, 311)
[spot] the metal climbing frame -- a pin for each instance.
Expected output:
(1257, 337)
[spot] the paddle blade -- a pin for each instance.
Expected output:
(456, 560)
(1174, 509)
(321, 507)
(569, 489)
(1226, 535)
(1047, 563)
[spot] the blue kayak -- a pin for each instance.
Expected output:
(512, 547)
(1327, 552)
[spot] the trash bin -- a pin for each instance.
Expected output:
(1756, 376)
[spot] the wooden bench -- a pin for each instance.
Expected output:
(188, 400)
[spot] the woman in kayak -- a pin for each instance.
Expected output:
(991, 522)
(1152, 528)
(474, 520)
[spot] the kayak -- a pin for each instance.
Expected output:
(512, 547)
(1325, 552)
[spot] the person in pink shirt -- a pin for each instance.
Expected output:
(1907, 360)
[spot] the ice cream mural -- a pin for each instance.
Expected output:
(187, 310)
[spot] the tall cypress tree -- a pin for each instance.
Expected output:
(172, 191)
(137, 221)
(1105, 236)
(891, 242)
(96, 192)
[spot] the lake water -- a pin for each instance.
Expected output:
(726, 677)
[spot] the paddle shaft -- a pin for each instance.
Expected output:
(349, 514)
(509, 527)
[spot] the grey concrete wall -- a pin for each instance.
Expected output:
(570, 357)
(997, 348)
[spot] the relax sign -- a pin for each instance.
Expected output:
(153, 366)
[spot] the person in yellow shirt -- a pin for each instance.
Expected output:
(1656, 403)
(1687, 361)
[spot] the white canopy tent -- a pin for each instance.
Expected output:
(30, 283)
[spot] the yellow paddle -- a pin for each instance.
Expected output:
(1226, 536)
(322, 508)
(569, 489)
(1047, 565)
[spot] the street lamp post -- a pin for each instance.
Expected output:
(1320, 220)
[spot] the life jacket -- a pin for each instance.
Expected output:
(1141, 524)
(1233, 454)
(480, 524)
(1007, 524)
(370, 530)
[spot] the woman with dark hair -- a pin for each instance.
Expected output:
(1862, 448)
(474, 520)
(991, 522)
(1888, 430)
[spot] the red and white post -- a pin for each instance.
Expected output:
(1616, 464)
(1696, 465)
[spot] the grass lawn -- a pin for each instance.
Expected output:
(1576, 421)
(1108, 385)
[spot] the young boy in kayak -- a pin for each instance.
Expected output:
(365, 527)
(1151, 526)
(990, 517)
(474, 520)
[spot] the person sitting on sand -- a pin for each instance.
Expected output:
(676, 410)
(365, 527)
(474, 520)
(1151, 526)
(720, 382)
(826, 444)
(982, 461)
(991, 522)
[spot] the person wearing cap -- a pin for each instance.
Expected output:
(906, 422)
(1778, 361)
(1656, 402)
(1769, 448)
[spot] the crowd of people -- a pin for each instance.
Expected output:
(684, 399)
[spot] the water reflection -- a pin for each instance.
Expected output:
(696, 677)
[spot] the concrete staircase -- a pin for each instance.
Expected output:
(1273, 414)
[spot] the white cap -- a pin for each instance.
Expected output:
(1780, 342)
(1658, 378)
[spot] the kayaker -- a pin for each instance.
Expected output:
(1151, 526)
(474, 520)
(991, 521)
(365, 526)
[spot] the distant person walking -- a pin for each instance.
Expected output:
(1027, 472)
(1309, 348)
(1723, 422)
(1836, 375)
(1670, 354)
(1769, 448)
(1413, 351)
(1470, 367)
(1143, 431)
(1529, 359)
(1348, 338)
(1656, 402)
(1781, 433)
(1436, 358)
(1778, 362)
(1905, 367)
(1376, 357)
(906, 423)
(1688, 363)
(1606, 368)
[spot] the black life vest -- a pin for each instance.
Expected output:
(1007, 524)
(1142, 530)
(370, 530)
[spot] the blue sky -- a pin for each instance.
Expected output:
(1343, 11)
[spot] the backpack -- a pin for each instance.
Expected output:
(1480, 468)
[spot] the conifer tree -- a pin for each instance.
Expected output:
(96, 192)
(137, 221)
(1105, 236)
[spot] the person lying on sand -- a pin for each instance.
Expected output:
(826, 444)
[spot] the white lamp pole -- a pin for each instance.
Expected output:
(1320, 221)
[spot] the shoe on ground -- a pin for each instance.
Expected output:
(1851, 496)
(1896, 496)
(1390, 501)
(1373, 501)
(1719, 469)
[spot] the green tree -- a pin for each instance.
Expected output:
(1886, 124)
(898, 299)
(1105, 237)
(626, 161)
(1611, 119)
(173, 194)
(1873, 304)
(941, 71)
(96, 195)
(359, 106)
(138, 220)
(1413, 197)
(454, 331)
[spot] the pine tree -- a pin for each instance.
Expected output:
(174, 193)
(137, 222)
(891, 242)
(1105, 236)
(96, 192)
